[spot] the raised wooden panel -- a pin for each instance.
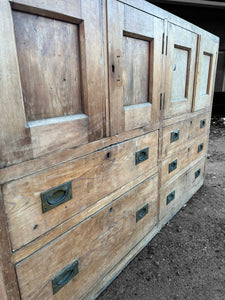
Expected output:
(206, 73)
(180, 70)
(180, 76)
(99, 243)
(135, 67)
(48, 54)
(49, 61)
(136, 54)
(205, 80)
(55, 60)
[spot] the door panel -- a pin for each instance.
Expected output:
(135, 66)
(180, 71)
(56, 69)
(206, 69)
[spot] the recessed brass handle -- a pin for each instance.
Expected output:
(172, 166)
(202, 123)
(64, 276)
(170, 197)
(56, 196)
(197, 173)
(141, 212)
(141, 156)
(174, 136)
(200, 147)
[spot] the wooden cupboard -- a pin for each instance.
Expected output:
(106, 109)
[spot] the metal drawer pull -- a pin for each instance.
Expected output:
(197, 173)
(56, 196)
(64, 276)
(200, 147)
(174, 136)
(170, 197)
(141, 156)
(172, 166)
(202, 123)
(141, 212)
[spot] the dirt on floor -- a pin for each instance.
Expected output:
(186, 260)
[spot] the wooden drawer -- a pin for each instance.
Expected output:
(98, 243)
(179, 160)
(176, 136)
(91, 177)
(174, 193)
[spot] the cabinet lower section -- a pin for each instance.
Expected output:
(69, 266)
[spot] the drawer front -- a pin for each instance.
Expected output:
(73, 187)
(177, 192)
(181, 159)
(92, 248)
(177, 135)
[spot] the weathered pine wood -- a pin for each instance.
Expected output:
(8, 281)
(51, 160)
(102, 283)
(93, 177)
(184, 157)
(15, 137)
(61, 135)
(136, 39)
(61, 78)
(115, 227)
(180, 66)
(49, 236)
(51, 88)
(62, 9)
(182, 186)
(206, 68)
(189, 129)
(162, 14)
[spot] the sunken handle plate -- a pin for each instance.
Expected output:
(64, 276)
(56, 196)
(170, 197)
(141, 156)
(172, 166)
(141, 212)
(174, 136)
(197, 173)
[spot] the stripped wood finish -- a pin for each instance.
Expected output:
(114, 227)
(184, 157)
(206, 69)
(60, 79)
(92, 177)
(188, 130)
(135, 67)
(182, 186)
(180, 66)
(93, 94)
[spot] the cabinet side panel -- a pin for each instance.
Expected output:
(8, 280)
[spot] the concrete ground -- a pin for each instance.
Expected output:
(186, 260)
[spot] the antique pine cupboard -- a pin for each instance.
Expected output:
(105, 115)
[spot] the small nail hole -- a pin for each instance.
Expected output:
(108, 154)
(113, 68)
(110, 209)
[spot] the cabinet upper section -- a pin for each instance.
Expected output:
(72, 72)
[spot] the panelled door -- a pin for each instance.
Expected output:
(135, 66)
(207, 60)
(180, 70)
(52, 76)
